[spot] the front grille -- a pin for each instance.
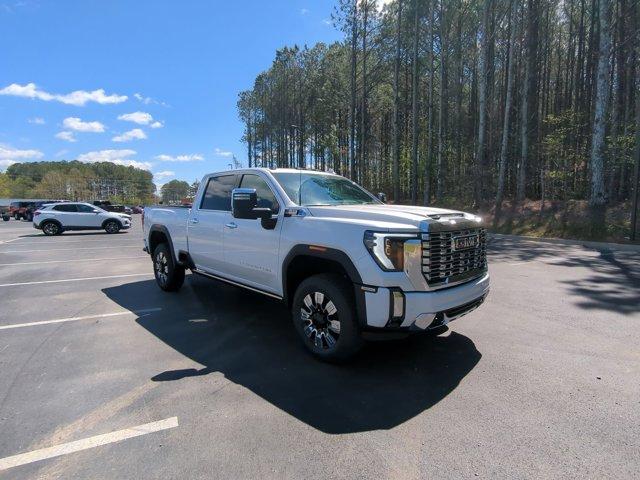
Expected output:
(443, 266)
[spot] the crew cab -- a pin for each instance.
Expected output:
(348, 265)
(56, 218)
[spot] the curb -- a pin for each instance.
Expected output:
(627, 247)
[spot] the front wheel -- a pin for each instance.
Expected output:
(112, 226)
(169, 276)
(324, 316)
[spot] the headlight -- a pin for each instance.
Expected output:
(387, 249)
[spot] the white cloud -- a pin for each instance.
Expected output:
(135, 134)
(222, 153)
(119, 157)
(77, 97)
(10, 154)
(66, 136)
(4, 164)
(74, 123)
(327, 21)
(164, 174)
(148, 100)
(157, 124)
(304, 11)
(194, 157)
(141, 118)
(37, 121)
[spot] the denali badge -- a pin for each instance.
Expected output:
(462, 243)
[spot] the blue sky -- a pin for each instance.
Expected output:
(148, 83)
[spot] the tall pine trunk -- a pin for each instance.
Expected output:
(414, 106)
(396, 109)
(504, 146)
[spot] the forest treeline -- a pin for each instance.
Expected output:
(460, 101)
(74, 180)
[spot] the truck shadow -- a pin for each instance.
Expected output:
(249, 339)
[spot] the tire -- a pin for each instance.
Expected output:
(169, 276)
(16, 216)
(29, 217)
(111, 226)
(6, 218)
(51, 229)
(324, 316)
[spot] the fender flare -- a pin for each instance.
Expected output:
(334, 255)
(165, 231)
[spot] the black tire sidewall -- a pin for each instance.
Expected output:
(340, 292)
(57, 232)
(175, 276)
(109, 223)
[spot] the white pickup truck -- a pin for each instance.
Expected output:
(348, 265)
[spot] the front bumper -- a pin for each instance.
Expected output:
(423, 310)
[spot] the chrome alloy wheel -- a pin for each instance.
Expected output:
(111, 227)
(50, 229)
(320, 320)
(162, 268)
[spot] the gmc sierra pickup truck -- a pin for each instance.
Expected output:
(347, 264)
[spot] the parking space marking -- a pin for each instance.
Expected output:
(87, 443)
(140, 312)
(50, 241)
(76, 279)
(74, 249)
(72, 261)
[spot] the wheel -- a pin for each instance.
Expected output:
(29, 217)
(169, 276)
(324, 317)
(16, 216)
(51, 228)
(6, 218)
(112, 226)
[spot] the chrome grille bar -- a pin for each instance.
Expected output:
(443, 266)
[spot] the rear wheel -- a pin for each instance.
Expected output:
(51, 228)
(324, 317)
(112, 226)
(169, 276)
(6, 218)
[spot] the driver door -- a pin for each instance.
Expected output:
(89, 217)
(251, 251)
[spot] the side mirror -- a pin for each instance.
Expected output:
(243, 205)
(382, 197)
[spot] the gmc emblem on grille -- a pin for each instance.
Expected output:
(463, 243)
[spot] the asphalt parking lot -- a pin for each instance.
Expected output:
(102, 375)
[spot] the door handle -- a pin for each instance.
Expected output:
(231, 225)
(194, 220)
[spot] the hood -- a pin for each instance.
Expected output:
(400, 216)
(123, 215)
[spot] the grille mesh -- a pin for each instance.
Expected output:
(442, 265)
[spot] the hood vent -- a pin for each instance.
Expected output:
(438, 216)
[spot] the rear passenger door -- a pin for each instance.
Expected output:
(66, 214)
(206, 223)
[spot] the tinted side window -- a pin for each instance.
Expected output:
(65, 208)
(217, 196)
(266, 198)
(85, 209)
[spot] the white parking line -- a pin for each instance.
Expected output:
(75, 319)
(50, 241)
(76, 279)
(74, 249)
(71, 261)
(87, 443)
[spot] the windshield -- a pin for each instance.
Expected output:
(310, 189)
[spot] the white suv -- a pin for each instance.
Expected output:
(55, 218)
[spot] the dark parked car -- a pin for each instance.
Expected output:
(109, 207)
(33, 206)
(137, 209)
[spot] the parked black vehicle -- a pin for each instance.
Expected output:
(109, 207)
(33, 206)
